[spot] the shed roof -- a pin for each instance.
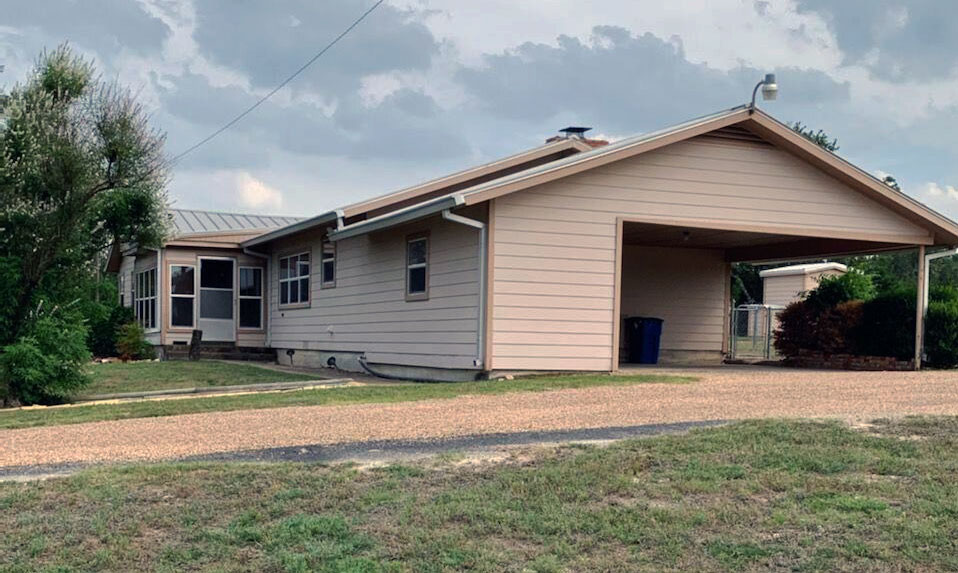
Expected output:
(806, 269)
(189, 221)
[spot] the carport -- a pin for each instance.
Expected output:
(682, 274)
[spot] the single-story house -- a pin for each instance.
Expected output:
(199, 279)
(782, 286)
(533, 262)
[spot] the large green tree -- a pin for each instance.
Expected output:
(80, 169)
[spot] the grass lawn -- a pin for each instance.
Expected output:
(10, 419)
(780, 495)
(140, 376)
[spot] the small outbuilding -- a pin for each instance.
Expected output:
(784, 285)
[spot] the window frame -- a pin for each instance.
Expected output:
(139, 288)
(196, 288)
(323, 283)
(281, 282)
(412, 238)
(240, 297)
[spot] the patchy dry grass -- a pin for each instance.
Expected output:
(143, 376)
(384, 393)
(797, 496)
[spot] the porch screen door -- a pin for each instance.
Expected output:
(217, 316)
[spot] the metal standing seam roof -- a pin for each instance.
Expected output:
(188, 221)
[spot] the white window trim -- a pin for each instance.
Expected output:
(241, 296)
(424, 295)
(148, 298)
(323, 283)
(196, 288)
(282, 283)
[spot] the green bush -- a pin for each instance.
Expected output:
(941, 333)
(833, 290)
(888, 325)
(796, 329)
(807, 326)
(104, 327)
(131, 343)
(45, 365)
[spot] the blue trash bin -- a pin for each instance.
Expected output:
(644, 335)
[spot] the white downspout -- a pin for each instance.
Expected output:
(267, 291)
(929, 257)
(481, 334)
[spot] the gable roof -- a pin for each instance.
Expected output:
(755, 120)
(391, 202)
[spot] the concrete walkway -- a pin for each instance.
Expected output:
(721, 394)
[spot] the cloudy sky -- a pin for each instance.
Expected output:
(425, 87)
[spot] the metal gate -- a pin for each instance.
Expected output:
(753, 326)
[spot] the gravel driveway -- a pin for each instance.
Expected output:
(725, 393)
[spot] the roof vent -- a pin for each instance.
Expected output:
(574, 131)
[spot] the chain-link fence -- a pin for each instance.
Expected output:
(752, 328)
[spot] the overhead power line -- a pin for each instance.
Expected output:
(259, 102)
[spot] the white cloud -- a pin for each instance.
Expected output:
(255, 194)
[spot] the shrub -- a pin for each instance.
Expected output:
(45, 364)
(805, 325)
(796, 329)
(888, 325)
(834, 290)
(104, 327)
(941, 333)
(838, 328)
(131, 343)
(943, 293)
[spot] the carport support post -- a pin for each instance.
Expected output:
(920, 310)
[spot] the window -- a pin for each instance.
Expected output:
(251, 297)
(294, 279)
(144, 298)
(417, 267)
(182, 295)
(329, 264)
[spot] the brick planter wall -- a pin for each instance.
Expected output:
(816, 359)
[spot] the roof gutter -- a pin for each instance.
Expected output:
(288, 230)
(406, 215)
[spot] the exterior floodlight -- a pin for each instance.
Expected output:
(769, 90)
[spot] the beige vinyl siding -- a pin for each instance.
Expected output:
(554, 245)
(812, 280)
(783, 290)
(786, 289)
(656, 282)
(367, 310)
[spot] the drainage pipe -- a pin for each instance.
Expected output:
(481, 328)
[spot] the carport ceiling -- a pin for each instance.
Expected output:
(746, 246)
(652, 235)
